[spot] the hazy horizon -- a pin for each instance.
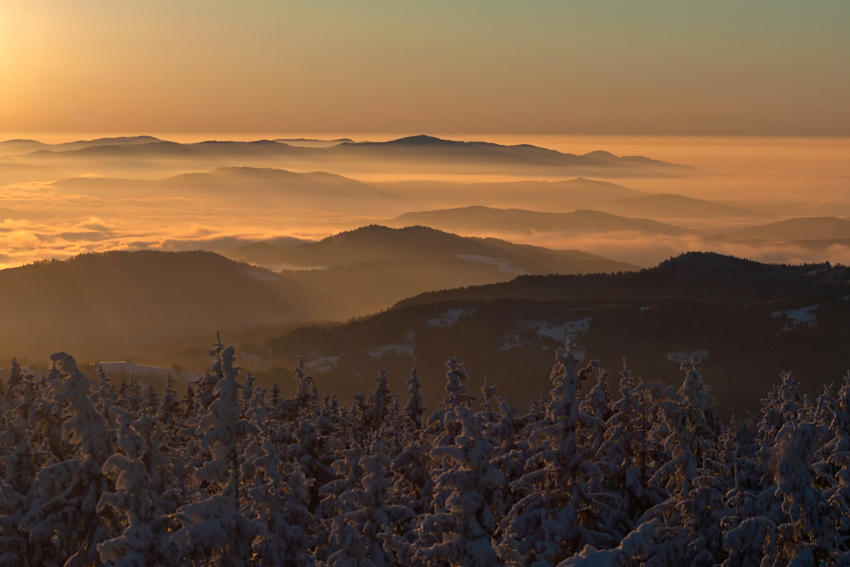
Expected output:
(773, 178)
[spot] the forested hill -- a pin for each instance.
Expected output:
(96, 302)
(119, 298)
(699, 276)
(748, 321)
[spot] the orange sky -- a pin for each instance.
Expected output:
(548, 67)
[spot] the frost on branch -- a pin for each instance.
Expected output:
(229, 475)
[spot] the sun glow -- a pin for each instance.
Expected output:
(6, 53)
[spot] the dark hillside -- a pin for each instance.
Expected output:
(700, 276)
(748, 321)
(118, 298)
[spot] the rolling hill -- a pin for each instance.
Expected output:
(693, 276)
(809, 228)
(452, 152)
(374, 246)
(487, 220)
(671, 206)
(412, 154)
(121, 298)
(117, 299)
(257, 187)
(819, 244)
(742, 318)
(17, 147)
(551, 195)
(369, 269)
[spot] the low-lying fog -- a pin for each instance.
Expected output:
(57, 201)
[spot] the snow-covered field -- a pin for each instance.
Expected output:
(322, 364)
(801, 316)
(449, 318)
(563, 331)
(378, 352)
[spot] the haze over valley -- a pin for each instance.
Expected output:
(300, 231)
(140, 192)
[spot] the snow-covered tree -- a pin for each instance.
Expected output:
(69, 489)
(648, 476)
(460, 530)
(215, 526)
(143, 539)
(554, 517)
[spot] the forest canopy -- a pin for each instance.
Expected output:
(233, 474)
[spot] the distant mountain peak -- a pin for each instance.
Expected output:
(19, 141)
(120, 139)
(248, 171)
(600, 154)
(694, 263)
(696, 257)
(422, 140)
(382, 231)
(254, 171)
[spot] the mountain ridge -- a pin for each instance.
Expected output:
(479, 218)
(731, 279)
(123, 298)
(411, 149)
(801, 228)
(690, 304)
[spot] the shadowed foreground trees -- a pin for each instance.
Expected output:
(233, 475)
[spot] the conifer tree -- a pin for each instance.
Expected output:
(460, 530)
(70, 488)
(414, 409)
(18, 472)
(216, 525)
(544, 526)
(379, 403)
(143, 539)
(16, 377)
(169, 409)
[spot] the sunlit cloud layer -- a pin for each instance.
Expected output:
(769, 179)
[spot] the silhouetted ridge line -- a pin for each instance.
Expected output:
(699, 276)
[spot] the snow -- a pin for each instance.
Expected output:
(636, 544)
(449, 318)
(802, 316)
(261, 275)
(561, 332)
(380, 351)
(323, 364)
(236, 481)
(701, 354)
(503, 265)
(544, 329)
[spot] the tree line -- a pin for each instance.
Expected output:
(232, 474)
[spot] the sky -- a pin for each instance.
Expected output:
(535, 67)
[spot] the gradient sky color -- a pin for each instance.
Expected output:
(547, 67)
